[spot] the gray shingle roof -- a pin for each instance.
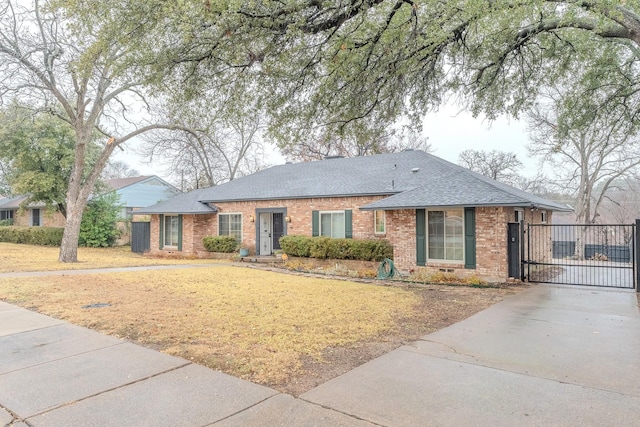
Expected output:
(411, 178)
(186, 203)
(12, 202)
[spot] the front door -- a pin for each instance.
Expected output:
(266, 247)
(278, 229)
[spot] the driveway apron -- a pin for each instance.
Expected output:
(550, 355)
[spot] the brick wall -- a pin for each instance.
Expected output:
(22, 218)
(491, 231)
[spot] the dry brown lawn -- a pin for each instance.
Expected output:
(16, 258)
(290, 332)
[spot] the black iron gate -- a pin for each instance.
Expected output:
(583, 254)
(140, 237)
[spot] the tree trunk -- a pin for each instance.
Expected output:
(69, 246)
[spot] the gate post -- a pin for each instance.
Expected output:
(636, 255)
(522, 259)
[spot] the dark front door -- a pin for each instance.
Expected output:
(278, 229)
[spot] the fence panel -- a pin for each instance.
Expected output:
(140, 237)
(582, 254)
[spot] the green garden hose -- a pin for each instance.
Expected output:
(386, 270)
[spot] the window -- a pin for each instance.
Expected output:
(6, 215)
(171, 230)
(519, 215)
(543, 217)
(230, 225)
(35, 217)
(445, 240)
(379, 219)
(332, 224)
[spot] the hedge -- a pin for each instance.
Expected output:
(43, 236)
(325, 247)
(225, 244)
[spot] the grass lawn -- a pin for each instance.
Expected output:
(15, 258)
(286, 331)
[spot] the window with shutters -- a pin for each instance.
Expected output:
(332, 224)
(445, 235)
(171, 231)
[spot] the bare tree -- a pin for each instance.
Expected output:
(222, 143)
(499, 165)
(588, 148)
(84, 75)
(324, 146)
(621, 204)
(118, 169)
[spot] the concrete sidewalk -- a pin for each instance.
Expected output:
(548, 356)
(56, 374)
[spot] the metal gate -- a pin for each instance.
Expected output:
(140, 237)
(602, 255)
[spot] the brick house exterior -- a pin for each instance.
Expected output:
(426, 229)
(133, 193)
(34, 215)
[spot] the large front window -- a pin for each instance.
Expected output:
(445, 235)
(332, 224)
(171, 226)
(230, 225)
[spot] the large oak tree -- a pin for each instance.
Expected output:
(354, 67)
(86, 73)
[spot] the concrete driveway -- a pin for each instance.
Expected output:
(549, 356)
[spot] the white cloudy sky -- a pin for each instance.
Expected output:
(451, 132)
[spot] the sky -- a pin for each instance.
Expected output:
(449, 131)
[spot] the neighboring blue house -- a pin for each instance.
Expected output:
(141, 191)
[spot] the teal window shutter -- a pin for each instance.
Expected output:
(179, 232)
(469, 237)
(161, 237)
(315, 223)
(421, 237)
(348, 224)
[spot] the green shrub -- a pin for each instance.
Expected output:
(43, 236)
(6, 222)
(299, 246)
(225, 244)
(99, 226)
(328, 248)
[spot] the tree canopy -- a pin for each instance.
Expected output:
(85, 72)
(37, 151)
(351, 68)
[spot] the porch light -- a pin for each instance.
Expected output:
(251, 218)
(287, 218)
